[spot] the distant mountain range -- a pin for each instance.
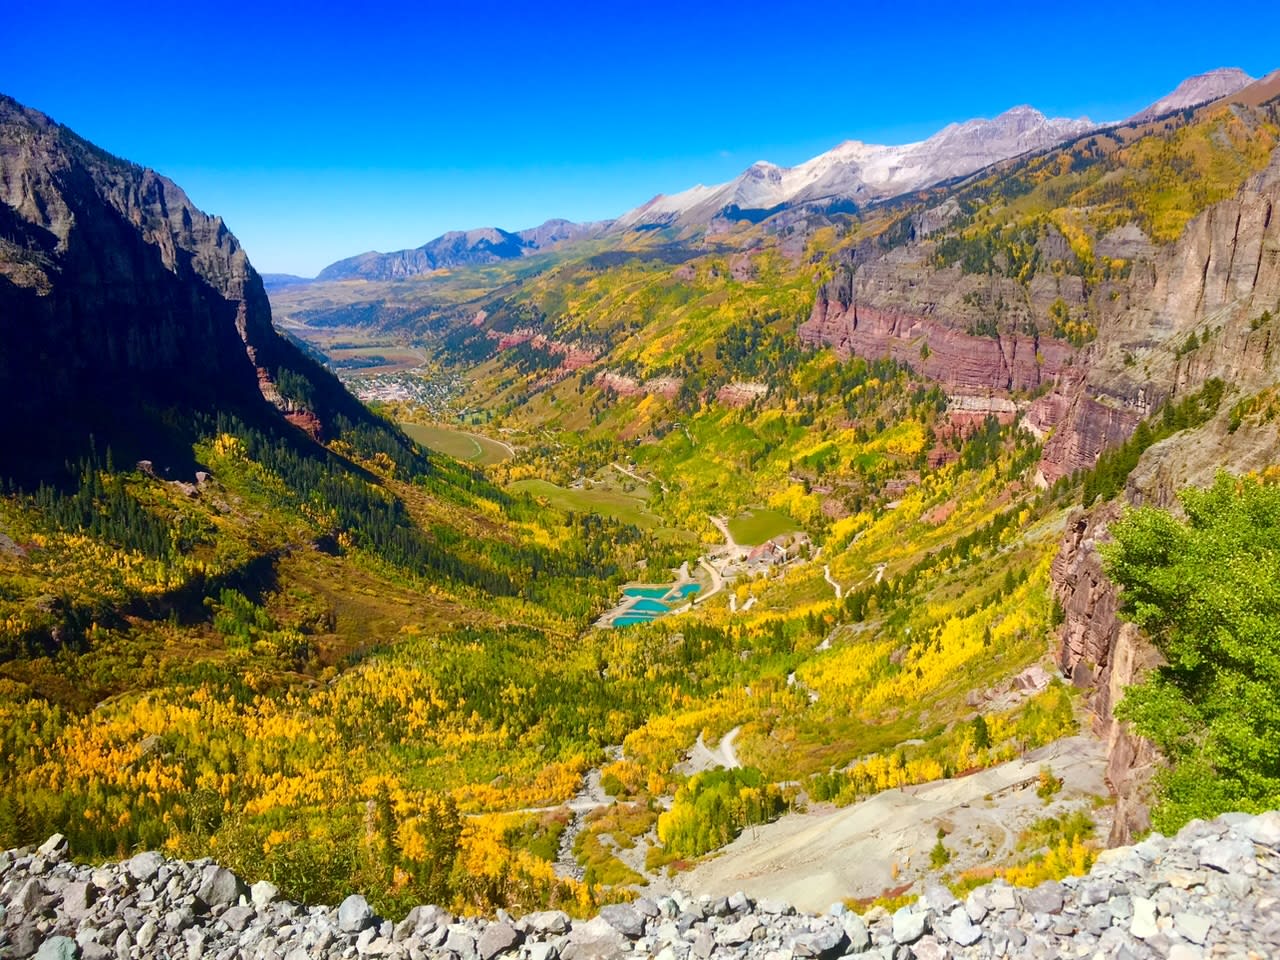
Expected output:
(861, 172)
(459, 248)
(853, 173)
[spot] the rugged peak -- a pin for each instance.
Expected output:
(119, 297)
(1022, 110)
(854, 170)
(1201, 88)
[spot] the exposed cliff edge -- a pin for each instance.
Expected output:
(120, 300)
(1216, 282)
(1220, 281)
(1103, 654)
(1212, 889)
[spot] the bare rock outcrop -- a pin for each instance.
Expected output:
(1103, 654)
(1214, 282)
(940, 349)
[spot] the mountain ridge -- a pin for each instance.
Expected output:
(460, 248)
(862, 172)
(851, 172)
(1198, 89)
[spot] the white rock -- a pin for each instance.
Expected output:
(1192, 926)
(1143, 924)
(264, 892)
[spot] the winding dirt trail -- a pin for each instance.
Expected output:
(702, 757)
(826, 575)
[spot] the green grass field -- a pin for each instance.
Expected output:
(601, 500)
(756, 526)
(470, 447)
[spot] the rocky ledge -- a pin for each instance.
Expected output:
(1212, 891)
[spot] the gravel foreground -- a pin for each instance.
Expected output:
(1213, 891)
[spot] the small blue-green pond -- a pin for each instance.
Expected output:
(653, 602)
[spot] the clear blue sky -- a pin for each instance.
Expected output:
(319, 132)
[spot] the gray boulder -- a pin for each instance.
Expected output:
(220, 887)
(928, 948)
(145, 866)
(1046, 898)
(909, 925)
(263, 892)
(1226, 855)
(547, 921)
(961, 929)
(238, 917)
(624, 918)
(55, 848)
(597, 939)
(542, 950)
(738, 932)
(824, 942)
(855, 928)
(498, 938)
(58, 948)
(78, 898)
(354, 914)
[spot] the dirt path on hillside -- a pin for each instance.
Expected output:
(702, 757)
(813, 859)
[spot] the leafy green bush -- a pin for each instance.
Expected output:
(1207, 591)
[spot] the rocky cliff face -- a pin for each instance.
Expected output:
(931, 335)
(973, 333)
(119, 299)
(1103, 654)
(1216, 281)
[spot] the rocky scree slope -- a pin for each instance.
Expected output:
(119, 298)
(1213, 890)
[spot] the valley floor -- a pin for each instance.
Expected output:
(814, 859)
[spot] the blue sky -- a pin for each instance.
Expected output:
(321, 131)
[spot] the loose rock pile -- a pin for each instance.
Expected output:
(1213, 891)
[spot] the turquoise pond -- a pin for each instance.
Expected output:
(652, 602)
(649, 606)
(626, 621)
